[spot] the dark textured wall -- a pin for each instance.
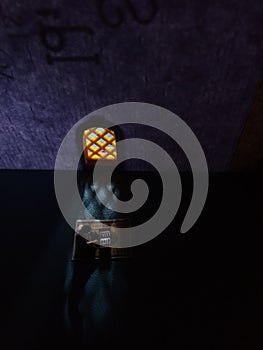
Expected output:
(202, 60)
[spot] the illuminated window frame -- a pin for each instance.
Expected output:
(99, 144)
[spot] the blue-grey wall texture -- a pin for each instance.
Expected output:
(60, 60)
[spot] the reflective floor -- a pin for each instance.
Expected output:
(203, 288)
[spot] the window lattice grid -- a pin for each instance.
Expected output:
(99, 143)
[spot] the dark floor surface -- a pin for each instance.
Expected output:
(199, 290)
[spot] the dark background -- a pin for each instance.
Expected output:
(203, 61)
(200, 59)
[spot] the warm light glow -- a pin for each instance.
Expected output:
(99, 143)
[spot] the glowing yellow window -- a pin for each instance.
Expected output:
(99, 143)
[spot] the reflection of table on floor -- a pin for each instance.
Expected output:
(92, 240)
(179, 289)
